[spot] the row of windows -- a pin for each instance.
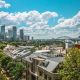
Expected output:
(25, 64)
(45, 76)
(35, 62)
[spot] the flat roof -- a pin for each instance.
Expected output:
(39, 58)
(40, 51)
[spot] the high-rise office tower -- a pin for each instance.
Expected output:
(21, 34)
(6, 34)
(32, 38)
(3, 32)
(14, 32)
(25, 38)
(10, 33)
(28, 38)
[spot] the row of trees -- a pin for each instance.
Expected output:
(35, 43)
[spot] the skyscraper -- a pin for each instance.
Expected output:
(21, 34)
(32, 38)
(3, 32)
(25, 38)
(6, 34)
(28, 38)
(14, 32)
(10, 33)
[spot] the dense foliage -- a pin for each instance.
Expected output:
(2, 75)
(71, 66)
(14, 43)
(32, 49)
(17, 68)
(4, 59)
(2, 46)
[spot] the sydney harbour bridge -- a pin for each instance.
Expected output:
(63, 38)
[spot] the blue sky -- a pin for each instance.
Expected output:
(42, 19)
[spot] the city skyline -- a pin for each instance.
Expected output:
(42, 19)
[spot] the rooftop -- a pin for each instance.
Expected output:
(39, 58)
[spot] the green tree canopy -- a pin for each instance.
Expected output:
(32, 49)
(2, 75)
(14, 43)
(17, 68)
(2, 46)
(71, 66)
(4, 59)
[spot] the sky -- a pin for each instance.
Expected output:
(42, 19)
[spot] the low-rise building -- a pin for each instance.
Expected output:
(41, 67)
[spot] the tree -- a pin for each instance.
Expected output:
(32, 49)
(1, 54)
(14, 44)
(5, 59)
(2, 74)
(2, 46)
(71, 66)
(11, 65)
(17, 68)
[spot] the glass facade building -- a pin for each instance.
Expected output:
(21, 34)
(2, 31)
(14, 32)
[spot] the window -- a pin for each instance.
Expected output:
(45, 77)
(37, 62)
(24, 76)
(40, 73)
(28, 72)
(43, 64)
(49, 78)
(28, 66)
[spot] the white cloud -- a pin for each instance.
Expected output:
(71, 24)
(30, 18)
(61, 19)
(38, 23)
(4, 4)
(46, 15)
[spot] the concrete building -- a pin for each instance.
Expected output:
(10, 33)
(2, 30)
(25, 38)
(14, 32)
(28, 38)
(41, 67)
(32, 38)
(6, 34)
(21, 34)
(68, 44)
